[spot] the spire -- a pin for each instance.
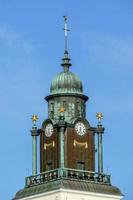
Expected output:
(65, 31)
(66, 60)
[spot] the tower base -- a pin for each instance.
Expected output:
(66, 189)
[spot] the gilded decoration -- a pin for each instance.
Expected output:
(76, 143)
(46, 145)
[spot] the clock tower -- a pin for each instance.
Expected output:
(68, 145)
(66, 136)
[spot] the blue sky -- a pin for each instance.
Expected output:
(31, 48)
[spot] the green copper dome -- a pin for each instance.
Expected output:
(66, 81)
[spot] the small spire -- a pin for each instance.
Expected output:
(66, 60)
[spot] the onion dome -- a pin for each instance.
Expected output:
(66, 82)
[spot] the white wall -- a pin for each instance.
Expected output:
(64, 194)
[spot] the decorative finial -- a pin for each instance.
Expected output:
(65, 31)
(99, 116)
(34, 119)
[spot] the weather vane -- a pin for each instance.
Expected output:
(99, 116)
(65, 31)
(34, 119)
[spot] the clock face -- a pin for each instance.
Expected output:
(80, 128)
(49, 130)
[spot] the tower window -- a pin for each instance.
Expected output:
(78, 108)
(73, 106)
(52, 107)
(49, 166)
(64, 104)
(81, 165)
(51, 110)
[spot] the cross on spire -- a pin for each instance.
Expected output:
(66, 60)
(65, 31)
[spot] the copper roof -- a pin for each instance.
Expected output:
(68, 184)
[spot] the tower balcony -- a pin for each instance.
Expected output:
(68, 174)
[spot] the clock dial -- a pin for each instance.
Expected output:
(49, 130)
(80, 128)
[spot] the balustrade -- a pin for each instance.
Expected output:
(65, 173)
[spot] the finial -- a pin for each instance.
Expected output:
(99, 116)
(65, 31)
(66, 60)
(34, 119)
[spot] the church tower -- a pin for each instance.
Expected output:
(68, 144)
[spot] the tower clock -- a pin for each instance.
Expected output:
(49, 129)
(80, 128)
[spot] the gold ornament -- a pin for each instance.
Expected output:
(62, 109)
(34, 118)
(99, 116)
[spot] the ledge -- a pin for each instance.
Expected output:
(68, 184)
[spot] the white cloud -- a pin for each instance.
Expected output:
(10, 39)
(110, 51)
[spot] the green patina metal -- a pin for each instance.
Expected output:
(74, 107)
(100, 131)
(34, 135)
(71, 185)
(66, 81)
(62, 147)
(66, 90)
(34, 155)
